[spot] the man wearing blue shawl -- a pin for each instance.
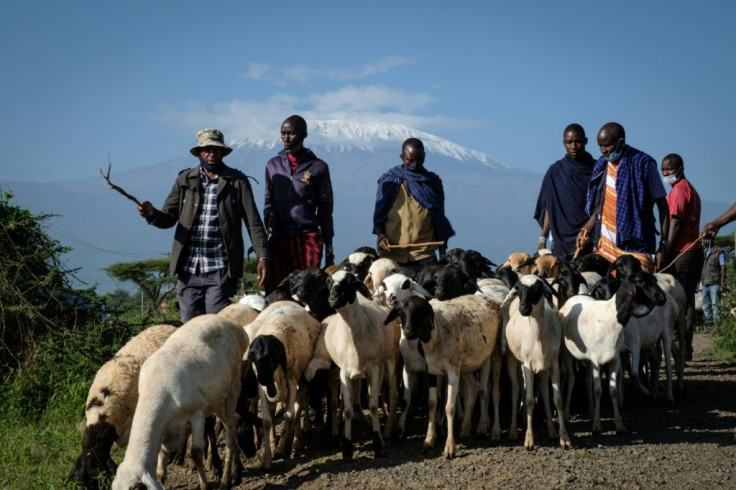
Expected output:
(410, 210)
(561, 202)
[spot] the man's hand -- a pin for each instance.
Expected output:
(146, 209)
(709, 230)
(262, 270)
(383, 243)
(583, 238)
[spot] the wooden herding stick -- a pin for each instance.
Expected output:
(412, 245)
(116, 187)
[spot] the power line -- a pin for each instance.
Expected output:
(80, 241)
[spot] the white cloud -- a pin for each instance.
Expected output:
(261, 119)
(304, 74)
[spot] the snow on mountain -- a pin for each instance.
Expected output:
(489, 203)
(341, 136)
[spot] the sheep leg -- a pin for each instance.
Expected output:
(635, 357)
(267, 429)
(334, 415)
(197, 427)
(596, 372)
(287, 431)
(528, 375)
(485, 371)
(496, 378)
(471, 393)
(567, 358)
(613, 373)
(301, 401)
(409, 383)
(667, 348)
(431, 412)
(347, 414)
(374, 375)
(232, 452)
(544, 394)
(453, 385)
(565, 441)
(512, 365)
(393, 396)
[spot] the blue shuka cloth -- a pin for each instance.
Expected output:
(424, 186)
(563, 195)
(638, 186)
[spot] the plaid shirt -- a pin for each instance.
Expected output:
(206, 250)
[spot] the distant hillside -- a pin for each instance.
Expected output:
(489, 203)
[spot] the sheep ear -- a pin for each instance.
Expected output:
(392, 315)
(415, 286)
(363, 289)
(549, 293)
(509, 297)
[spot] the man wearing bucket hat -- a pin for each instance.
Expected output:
(207, 204)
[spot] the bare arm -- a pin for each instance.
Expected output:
(545, 232)
(711, 229)
(664, 223)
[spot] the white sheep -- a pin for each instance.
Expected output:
(241, 313)
(380, 269)
(279, 355)
(111, 404)
(359, 343)
(593, 332)
(392, 290)
(533, 337)
(194, 374)
(458, 337)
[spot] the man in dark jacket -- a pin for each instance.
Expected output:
(561, 202)
(207, 204)
(298, 207)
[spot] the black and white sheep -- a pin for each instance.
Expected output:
(593, 332)
(360, 344)
(458, 337)
(279, 354)
(533, 338)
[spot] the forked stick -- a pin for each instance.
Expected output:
(116, 187)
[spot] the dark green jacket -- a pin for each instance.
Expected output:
(235, 204)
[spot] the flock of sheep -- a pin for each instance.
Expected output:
(322, 333)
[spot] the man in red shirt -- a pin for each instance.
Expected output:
(684, 205)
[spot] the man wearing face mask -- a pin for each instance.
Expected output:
(208, 203)
(410, 210)
(623, 189)
(685, 248)
(298, 207)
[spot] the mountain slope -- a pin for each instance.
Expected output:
(489, 203)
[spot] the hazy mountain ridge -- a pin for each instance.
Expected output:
(489, 203)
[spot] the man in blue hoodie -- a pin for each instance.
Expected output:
(298, 207)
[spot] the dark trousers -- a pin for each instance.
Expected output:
(206, 292)
(687, 269)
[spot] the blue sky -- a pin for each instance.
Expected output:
(134, 80)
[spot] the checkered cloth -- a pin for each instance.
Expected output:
(206, 250)
(293, 252)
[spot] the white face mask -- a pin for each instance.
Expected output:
(670, 179)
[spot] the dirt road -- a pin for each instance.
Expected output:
(689, 445)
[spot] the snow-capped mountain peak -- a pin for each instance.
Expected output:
(344, 136)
